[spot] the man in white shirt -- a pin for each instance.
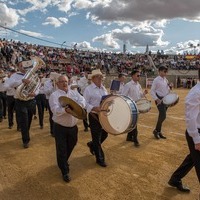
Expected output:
(159, 89)
(10, 93)
(134, 90)
(24, 107)
(192, 118)
(121, 79)
(93, 95)
(65, 125)
(3, 104)
(48, 89)
(82, 84)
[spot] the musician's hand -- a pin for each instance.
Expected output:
(26, 81)
(158, 101)
(145, 91)
(32, 94)
(68, 110)
(197, 146)
(96, 109)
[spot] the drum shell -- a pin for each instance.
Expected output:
(143, 105)
(171, 99)
(122, 116)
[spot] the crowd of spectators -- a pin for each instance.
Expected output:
(75, 61)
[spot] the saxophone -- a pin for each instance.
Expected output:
(24, 90)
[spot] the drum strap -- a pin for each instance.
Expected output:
(159, 96)
(94, 115)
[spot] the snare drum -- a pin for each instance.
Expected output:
(119, 114)
(143, 105)
(171, 99)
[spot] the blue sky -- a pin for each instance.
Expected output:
(105, 25)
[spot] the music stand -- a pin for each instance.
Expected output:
(115, 85)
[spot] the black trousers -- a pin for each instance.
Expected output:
(65, 139)
(162, 108)
(190, 161)
(50, 118)
(133, 135)
(3, 104)
(11, 108)
(98, 136)
(85, 122)
(40, 102)
(25, 110)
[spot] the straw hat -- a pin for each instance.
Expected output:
(96, 72)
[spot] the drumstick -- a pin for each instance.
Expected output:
(106, 110)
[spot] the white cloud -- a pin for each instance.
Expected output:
(52, 21)
(85, 46)
(63, 19)
(34, 34)
(8, 16)
(108, 40)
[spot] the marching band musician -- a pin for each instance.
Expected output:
(41, 101)
(49, 88)
(192, 134)
(121, 79)
(159, 89)
(133, 90)
(24, 108)
(2, 96)
(82, 84)
(93, 95)
(10, 92)
(65, 125)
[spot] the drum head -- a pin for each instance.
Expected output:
(118, 117)
(143, 105)
(170, 99)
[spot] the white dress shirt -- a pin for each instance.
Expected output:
(93, 96)
(133, 90)
(14, 81)
(60, 116)
(160, 87)
(10, 91)
(121, 87)
(192, 113)
(48, 88)
(83, 83)
(2, 84)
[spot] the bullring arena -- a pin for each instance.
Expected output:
(132, 173)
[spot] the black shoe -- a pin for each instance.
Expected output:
(35, 117)
(10, 127)
(129, 139)
(86, 130)
(66, 178)
(178, 185)
(1, 119)
(156, 134)
(136, 144)
(5, 117)
(19, 129)
(25, 145)
(89, 144)
(162, 136)
(102, 163)
(41, 127)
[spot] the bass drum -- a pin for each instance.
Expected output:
(171, 99)
(119, 114)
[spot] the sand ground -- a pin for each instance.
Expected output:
(132, 173)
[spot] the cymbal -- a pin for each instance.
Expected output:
(77, 110)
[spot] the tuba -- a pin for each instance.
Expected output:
(24, 90)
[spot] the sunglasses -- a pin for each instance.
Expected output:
(165, 71)
(138, 75)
